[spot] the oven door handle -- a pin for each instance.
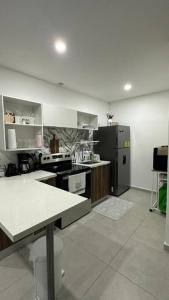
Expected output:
(66, 177)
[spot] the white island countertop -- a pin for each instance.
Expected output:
(94, 165)
(27, 205)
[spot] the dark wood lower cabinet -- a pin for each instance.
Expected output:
(5, 242)
(100, 182)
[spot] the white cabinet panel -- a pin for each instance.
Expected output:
(2, 128)
(59, 116)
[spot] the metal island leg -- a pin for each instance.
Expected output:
(50, 261)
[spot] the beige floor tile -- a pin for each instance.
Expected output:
(81, 268)
(99, 245)
(12, 268)
(20, 289)
(119, 230)
(152, 231)
(137, 196)
(113, 286)
(145, 266)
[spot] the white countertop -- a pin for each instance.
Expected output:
(37, 175)
(98, 164)
(27, 205)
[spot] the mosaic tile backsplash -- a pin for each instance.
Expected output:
(68, 137)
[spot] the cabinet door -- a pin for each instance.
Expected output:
(100, 182)
(59, 117)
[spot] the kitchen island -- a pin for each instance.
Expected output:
(27, 206)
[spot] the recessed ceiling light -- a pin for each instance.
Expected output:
(127, 87)
(60, 46)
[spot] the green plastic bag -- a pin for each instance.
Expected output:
(163, 198)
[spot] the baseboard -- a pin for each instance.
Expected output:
(166, 246)
(140, 188)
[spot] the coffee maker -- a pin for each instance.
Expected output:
(27, 162)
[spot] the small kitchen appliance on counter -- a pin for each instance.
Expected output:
(27, 162)
(160, 158)
(11, 170)
(73, 178)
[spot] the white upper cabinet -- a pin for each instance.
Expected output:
(86, 120)
(59, 117)
(20, 124)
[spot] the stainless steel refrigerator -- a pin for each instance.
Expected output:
(114, 145)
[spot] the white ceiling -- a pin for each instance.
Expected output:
(109, 42)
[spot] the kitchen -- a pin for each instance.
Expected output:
(86, 141)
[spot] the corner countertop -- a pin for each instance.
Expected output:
(98, 164)
(36, 175)
(27, 205)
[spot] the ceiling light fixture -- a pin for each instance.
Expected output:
(60, 46)
(127, 87)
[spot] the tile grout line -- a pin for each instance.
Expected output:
(94, 255)
(133, 282)
(130, 237)
(108, 263)
(141, 222)
(106, 266)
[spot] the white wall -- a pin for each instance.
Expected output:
(148, 117)
(16, 84)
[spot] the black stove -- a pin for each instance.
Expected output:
(61, 164)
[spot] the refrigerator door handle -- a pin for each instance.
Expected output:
(124, 159)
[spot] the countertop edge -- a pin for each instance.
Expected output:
(99, 164)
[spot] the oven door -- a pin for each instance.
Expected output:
(62, 182)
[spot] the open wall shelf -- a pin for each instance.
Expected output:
(86, 120)
(26, 133)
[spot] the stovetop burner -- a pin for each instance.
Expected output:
(75, 169)
(61, 164)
